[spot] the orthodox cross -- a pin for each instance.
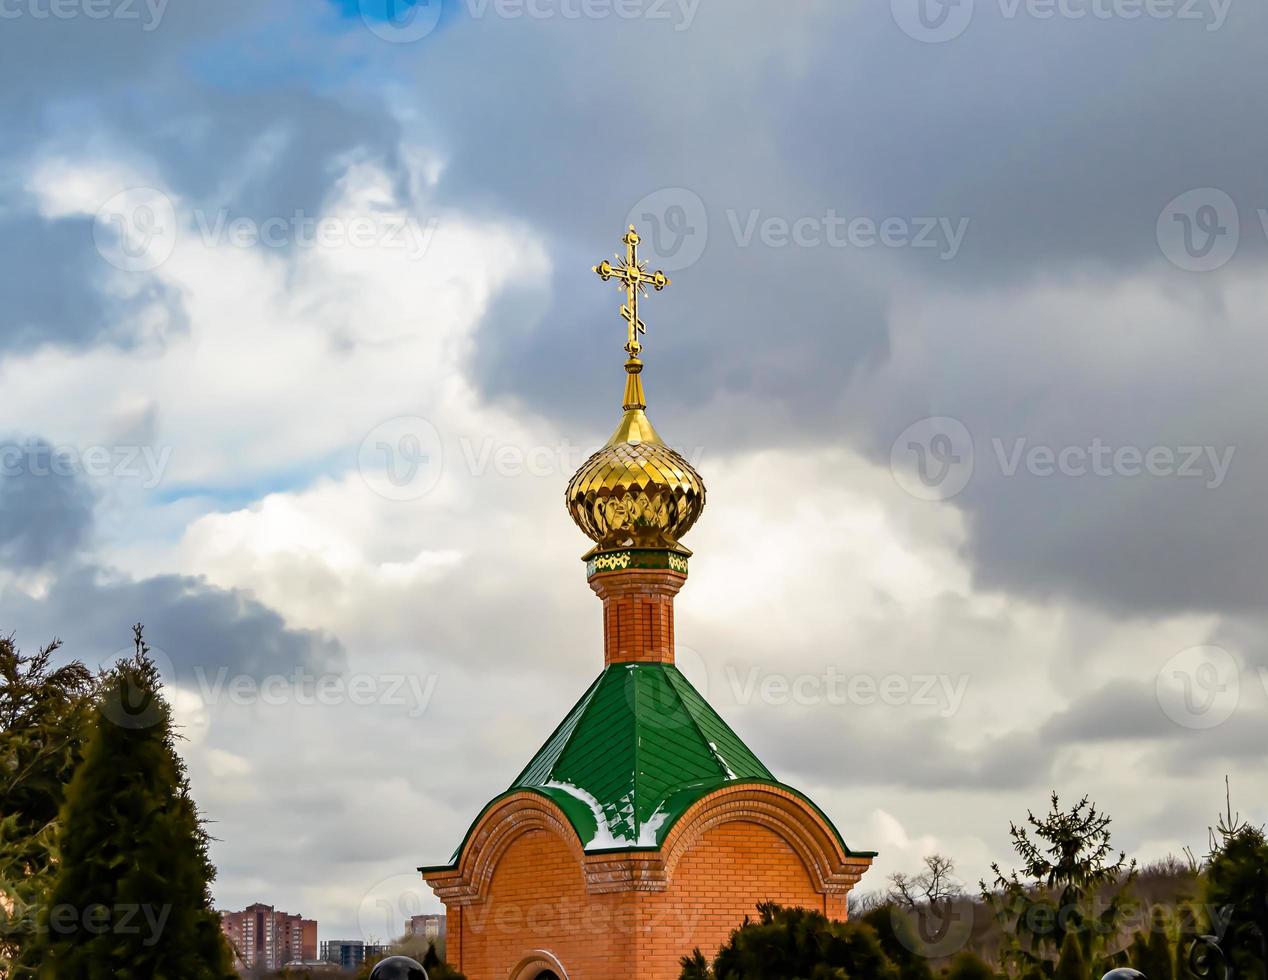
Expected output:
(631, 274)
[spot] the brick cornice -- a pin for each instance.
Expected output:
(832, 870)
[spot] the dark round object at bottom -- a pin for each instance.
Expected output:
(398, 968)
(1124, 973)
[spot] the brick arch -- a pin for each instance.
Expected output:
(501, 825)
(832, 869)
(537, 962)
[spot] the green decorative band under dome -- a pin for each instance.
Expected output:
(616, 561)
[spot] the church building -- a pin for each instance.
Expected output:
(644, 827)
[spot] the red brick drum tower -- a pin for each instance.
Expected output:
(644, 827)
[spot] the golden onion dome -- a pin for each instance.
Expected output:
(635, 492)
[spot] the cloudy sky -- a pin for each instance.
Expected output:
(300, 345)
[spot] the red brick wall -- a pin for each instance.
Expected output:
(719, 881)
(538, 900)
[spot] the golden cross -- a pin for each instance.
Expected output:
(631, 274)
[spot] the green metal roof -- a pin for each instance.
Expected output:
(638, 737)
(634, 754)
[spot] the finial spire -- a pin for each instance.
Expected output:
(635, 492)
(635, 400)
(631, 274)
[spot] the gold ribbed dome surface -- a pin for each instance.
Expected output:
(635, 492)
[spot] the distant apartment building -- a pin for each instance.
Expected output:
(266, 939)
(351, 953)
(426, 926)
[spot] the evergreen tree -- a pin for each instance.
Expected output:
(898, 929)
(1068, 865)
(1237, 886)
(1152, 952)
(1070, 964)
(695, 967)
(797, 944)
(437, 968)
(1187, 932)
(131, 898)
(967, 965)
(443, 971)
(43, 711)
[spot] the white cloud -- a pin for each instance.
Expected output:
(809, 557)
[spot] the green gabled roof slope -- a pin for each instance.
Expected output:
(634, 753)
